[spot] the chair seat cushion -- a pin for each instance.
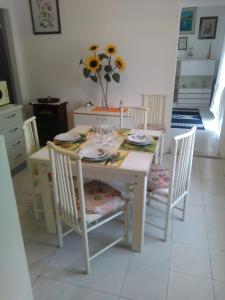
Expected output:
(101, 198)
(158, 178)
(156, 127)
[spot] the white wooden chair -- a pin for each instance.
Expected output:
(32, 145)
(133, 117)
(169, 187)
(83, 208)
(156, 105)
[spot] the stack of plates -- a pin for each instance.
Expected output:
(67, 137)
(94, 154)
(139, 139)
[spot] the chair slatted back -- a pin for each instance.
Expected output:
(31, 136)
(156, 108)
(132, 117)
(182, 164)
(67, 202)
(31, 141)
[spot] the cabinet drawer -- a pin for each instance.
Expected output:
(16, 159)
(15, 146)
(194, 96)
(12, 133)
(9, 119)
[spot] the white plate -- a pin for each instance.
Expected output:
(140, 139)
(67, 137)
(94, 153)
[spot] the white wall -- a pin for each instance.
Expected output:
(201, 47)
(145, 31)
(189, 3)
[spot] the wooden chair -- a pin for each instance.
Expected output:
(32, 145)
(169, 187)
(156, 105)
(132, 117)
(85, 207)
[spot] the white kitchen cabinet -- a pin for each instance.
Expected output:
(11, 121)
(194, 82)
(86, 116)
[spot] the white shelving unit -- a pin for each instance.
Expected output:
(194, 82)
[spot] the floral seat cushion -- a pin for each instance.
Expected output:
(101, 198)
(158, 178)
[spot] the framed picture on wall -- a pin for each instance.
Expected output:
(45, 16)
(187, 20)
(207, 28)
(182, 44)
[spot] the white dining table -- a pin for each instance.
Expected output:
(133, 170)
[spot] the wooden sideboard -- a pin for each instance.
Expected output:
(86, 116)
(11, 122)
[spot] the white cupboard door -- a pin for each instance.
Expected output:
(14, 276)
(95, 120)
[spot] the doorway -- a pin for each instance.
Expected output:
(5, 63)
(197, 66)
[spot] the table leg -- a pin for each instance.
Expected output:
(46, 197)
(140, 187)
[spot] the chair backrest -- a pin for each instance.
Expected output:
(67, 201)
(183, 147)
(132, 117)
(31, 135)
(156, 108)
(31, 141)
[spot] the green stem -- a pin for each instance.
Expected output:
(100, 80)
(107, 84)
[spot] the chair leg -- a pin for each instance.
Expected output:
(161, 150)
(86, 251)
(59, 231)
(34, 201)
(184, 208)
(126, 225)
(167, 223)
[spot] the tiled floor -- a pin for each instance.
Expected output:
(190, 266)
(207, 141)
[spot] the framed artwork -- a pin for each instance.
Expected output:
(45, 16)
(187, 20)
(207, 28)
(182, 44)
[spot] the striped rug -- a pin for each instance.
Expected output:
(186, 118)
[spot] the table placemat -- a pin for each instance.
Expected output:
(75, 146)
(148, 148)
(113, 161)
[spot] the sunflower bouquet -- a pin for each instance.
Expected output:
(103, 68)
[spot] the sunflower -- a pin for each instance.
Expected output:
(110, 49)
(93, 47)
(93, 63)
(120, 63)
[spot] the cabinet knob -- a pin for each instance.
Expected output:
(11, 116)
(14, 129)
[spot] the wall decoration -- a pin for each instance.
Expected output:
(103, 67)
(182, 44)
(45, 16)
(207, 28)
(187, 20)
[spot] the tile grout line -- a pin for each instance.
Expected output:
(210, 256)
